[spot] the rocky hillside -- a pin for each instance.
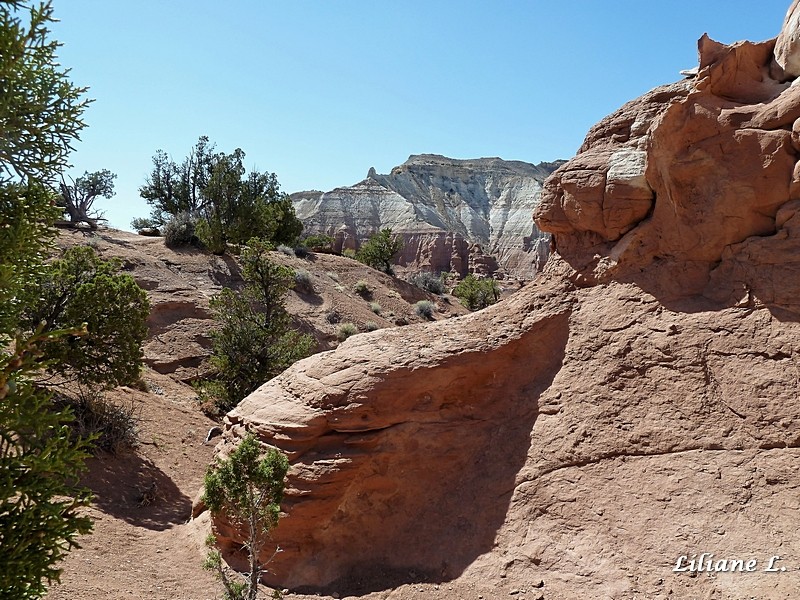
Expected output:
(593, 435)
(181, 281)
(459, 215)
(143, 545)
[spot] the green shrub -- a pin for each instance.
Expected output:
(255, 340)
(379, 251)
(375, 307)
(349, 253)
(476, 294)
(371, 326)
(345, 331)
(180, 231)
(318, 243)
(139, 224)
(247, 489)
(231, 205)
(283, 248)
(42, 511)
(81, 287)
(361, 288)
(428, 281)
(333, 275)
(424, 308)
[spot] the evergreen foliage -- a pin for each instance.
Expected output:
(39, 506)
(247, 488)
(40, 116)
(40, 111)
(229, 205)
(255, 340)
(79, 288)
(379, 251)
(475, 293)
(318, 242)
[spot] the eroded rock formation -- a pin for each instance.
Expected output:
(444, 208)
(635, 404)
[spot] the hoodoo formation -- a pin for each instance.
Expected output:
(634, 405)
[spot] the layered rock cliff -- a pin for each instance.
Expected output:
(449, 212)
(635, 405)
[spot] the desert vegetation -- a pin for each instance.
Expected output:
(345, 330)
(429, 282)
(476, 293)
(224, 204)
(49, 331)
(247, 488)
(379, 251)
(255, 340)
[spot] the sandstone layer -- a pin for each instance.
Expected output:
(448, 211)
(637, 403)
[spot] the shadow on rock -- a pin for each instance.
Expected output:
(413, 484)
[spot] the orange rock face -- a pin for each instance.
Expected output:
(717, 156)
(635, 405)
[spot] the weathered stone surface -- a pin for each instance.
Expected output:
(553, 436)
(787, 48)
(635, 404)
(719, 159)
(442, 207)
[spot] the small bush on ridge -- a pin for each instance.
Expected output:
(428, 281)
(476, 294)
(346, 330)
(361, 288)
(318, 243)
(302, 281)
(424, 308)
(180, 231)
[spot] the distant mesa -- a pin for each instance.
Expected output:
(454, 215)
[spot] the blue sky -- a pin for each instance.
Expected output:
(320, 91)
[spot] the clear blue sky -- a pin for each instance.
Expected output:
(320, 91)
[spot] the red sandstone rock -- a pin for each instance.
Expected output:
(586, 435)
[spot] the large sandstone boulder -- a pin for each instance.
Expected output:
(635, 405)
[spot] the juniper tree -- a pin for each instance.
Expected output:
(247, 488)
(255, 340)
(77, 198)
(475, 293)
(379, 250)
(40, 116)
(228, 205)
